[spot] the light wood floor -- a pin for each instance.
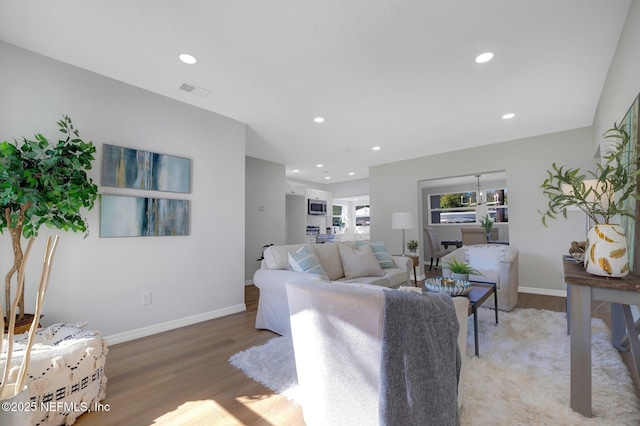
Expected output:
(183, 377)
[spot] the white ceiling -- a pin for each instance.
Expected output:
(396, 74)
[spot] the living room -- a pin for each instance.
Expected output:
(238, 199)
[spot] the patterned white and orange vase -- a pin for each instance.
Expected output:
(606, 253)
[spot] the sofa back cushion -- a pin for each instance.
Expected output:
(306, 260)
(329, 257)
(359, 262)
(277, 257)
(380, 251)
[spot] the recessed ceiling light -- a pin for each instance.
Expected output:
(351, 173)
(318, 120)
(485, 57)
(318, 165)
(295, 170)
(188, 59)
(327, 177)
(376, 148)
(508, 116)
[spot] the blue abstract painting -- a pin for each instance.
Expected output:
(133, 168)
(143, 217)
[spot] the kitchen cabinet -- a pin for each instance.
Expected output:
(295, 188)
(318, 194)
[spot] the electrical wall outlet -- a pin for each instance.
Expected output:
(146, 298)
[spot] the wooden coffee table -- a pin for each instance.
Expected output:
(477, 296)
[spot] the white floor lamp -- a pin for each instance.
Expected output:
(402, 220)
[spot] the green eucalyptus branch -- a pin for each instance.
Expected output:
(616, 183)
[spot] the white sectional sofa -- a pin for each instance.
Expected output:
(352, 262)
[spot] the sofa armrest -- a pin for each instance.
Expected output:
(274, 280)
(403, 263)
(461, 304)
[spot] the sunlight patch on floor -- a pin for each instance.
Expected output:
(208, 412)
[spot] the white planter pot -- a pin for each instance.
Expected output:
(606, 253)
(460, 277)
(18, 412)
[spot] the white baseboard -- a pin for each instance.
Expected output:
(248, 282)
(170, 325)
(542, 291)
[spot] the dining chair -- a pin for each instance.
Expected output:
(471, 236)
(435, 252)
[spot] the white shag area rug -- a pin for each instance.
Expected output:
(521, 377)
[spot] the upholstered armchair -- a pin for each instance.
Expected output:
(337, 331)
(498, 264)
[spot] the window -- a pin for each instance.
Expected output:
(339, 216)
(362, 215)
(460, 207)
(497, 205)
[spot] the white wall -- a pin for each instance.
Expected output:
(350, 188)
(396, 187)
(101, 280)
(622, 87)
(623, 79)
(265, 210)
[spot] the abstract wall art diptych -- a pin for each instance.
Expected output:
(133, 168)
(143, 217)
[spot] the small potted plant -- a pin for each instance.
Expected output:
(487, 224)
(461, 270)
(412, 245)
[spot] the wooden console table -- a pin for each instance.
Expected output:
(582, 288)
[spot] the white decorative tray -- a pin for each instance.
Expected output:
(447, 285)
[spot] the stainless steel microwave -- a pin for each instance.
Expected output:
(317, 207)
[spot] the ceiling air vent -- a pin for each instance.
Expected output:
(195, 90)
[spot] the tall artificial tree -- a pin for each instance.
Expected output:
(42, 183)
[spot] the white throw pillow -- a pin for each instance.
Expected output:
(305, 260)
(277, 257)
(359, 262)
(487, 258)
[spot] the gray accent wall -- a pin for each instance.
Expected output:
(101, 280)
(396, 187)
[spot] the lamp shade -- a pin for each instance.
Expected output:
(402, 220)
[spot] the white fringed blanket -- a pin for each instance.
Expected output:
(66, 372)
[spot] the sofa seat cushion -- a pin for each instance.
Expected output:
(329, 256)
(359, 262)
(374, 281)
(396, 277)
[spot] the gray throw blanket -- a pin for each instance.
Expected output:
(420, 365)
